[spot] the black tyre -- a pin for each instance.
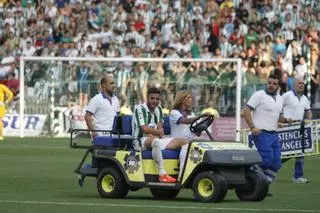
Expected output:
(256, 190)
(164, 194)
(209, 187)
(111, 183)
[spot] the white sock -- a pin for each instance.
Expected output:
(182, 158)
(157, 156)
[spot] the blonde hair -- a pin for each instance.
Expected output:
(179, 98)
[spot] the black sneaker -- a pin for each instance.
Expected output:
(81, 180)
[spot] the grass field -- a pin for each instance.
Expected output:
(36, 175)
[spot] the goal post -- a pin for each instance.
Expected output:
(54, 63)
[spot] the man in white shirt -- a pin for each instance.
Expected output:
(30, 11)
(106, 35)
(132, 34)
(225, 46)
(269, 13)
(296, 106)
(29, 50)
(262, 114)
(288, 27)
(51, 10)
(103, 107)
(301, 68)
(166, 29)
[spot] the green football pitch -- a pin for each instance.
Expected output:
(36, 175)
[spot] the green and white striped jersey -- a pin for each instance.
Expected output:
(142, 116)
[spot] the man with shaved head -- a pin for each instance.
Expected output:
(297, 107)
(103, 107)
(101, 111)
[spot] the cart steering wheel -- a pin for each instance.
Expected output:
(201, 124)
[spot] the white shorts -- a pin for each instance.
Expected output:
(164, 143)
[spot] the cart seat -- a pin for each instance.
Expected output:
(166, 154)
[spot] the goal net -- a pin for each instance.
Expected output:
(54, 91)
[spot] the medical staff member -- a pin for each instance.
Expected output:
(147, 125)
(102, 108)
(5, 98)
(262, 114)
(101, 111)
(295, 106)
(181, 116)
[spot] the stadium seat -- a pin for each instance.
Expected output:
(116, 124)
(123, 125)
(166, 126)
(106, 141)
(126, 126)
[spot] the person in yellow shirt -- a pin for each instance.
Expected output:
(5, 98)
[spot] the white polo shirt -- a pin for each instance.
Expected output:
(178, 129)
(266, 110)
(293, 106)
(104, 110)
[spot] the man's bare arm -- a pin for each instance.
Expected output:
(247, 116)
(89, 121)
(309, 114)
(185, 120)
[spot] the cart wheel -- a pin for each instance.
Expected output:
(209, 187)
(257, 188)
(111, 184)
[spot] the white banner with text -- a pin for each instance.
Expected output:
(33, 125)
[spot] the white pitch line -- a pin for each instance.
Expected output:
(159, 206)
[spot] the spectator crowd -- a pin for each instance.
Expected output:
(265, 34)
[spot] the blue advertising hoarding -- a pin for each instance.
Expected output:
(291, 140)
